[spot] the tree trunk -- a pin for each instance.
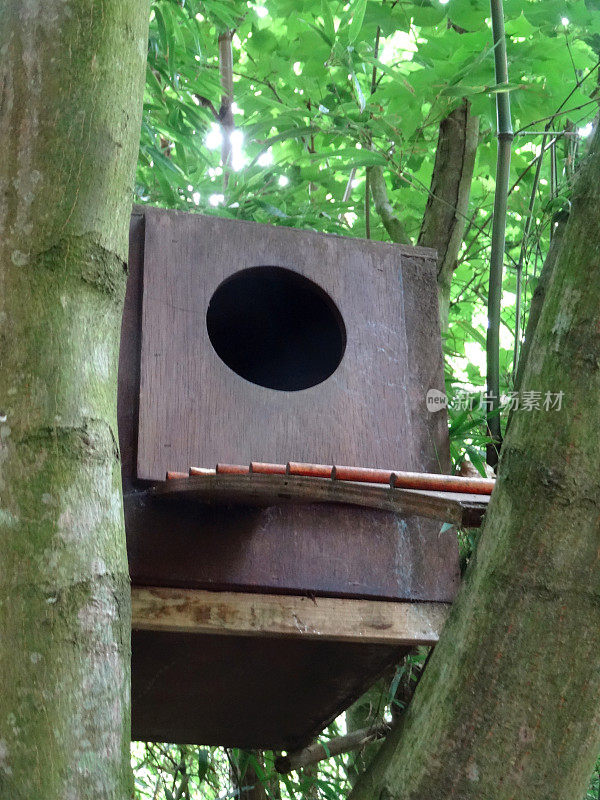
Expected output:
(537, 301)
(72, 75)
(368, 711)
(510, 702)
(446, 211)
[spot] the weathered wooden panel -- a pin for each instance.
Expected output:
(246, 692)
(129, 354)
(195, 410)
(287, 617)
(457, 508)
(322, 549)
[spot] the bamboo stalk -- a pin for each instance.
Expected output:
(425, 481)
(505, 137)
(523, 252)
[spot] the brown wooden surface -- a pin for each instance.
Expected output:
(335, 550)
(246, 692)
(264, 490)
(194, 410)
(289, 617)
(129, 353)
(338, 551)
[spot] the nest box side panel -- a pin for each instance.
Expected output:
(129, 353)
(342, 551)
(425, 364)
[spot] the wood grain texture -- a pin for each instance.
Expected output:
(129, 354)
(323, 549)
(242, 614)
(194, 410)
(281, 667)
(264, 490)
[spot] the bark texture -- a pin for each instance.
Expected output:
(446, 211)
(367, 712)
(509, 704)
(71, 83)
(537, 301)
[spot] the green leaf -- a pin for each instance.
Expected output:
(427, 15)
(469, 14)
(328, 20)
(519, 26)
(359, 92)
(352, 157)
(291, 133)
(358, 13)
(203, 762)
(162, 32)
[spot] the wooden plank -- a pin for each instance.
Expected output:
(264, 490)
(324, 549)
(284, 616)
(129, 353)
(195, 410)
(244, 691)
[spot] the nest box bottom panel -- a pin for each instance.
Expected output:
(245, 692)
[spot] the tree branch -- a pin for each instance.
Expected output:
(319, 751)
(391, 221)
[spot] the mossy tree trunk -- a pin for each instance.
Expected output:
(509, 704)
(367, 711)
(71, 83)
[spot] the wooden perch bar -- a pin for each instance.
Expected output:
(319, 751)
(400, 480)
(259, 489)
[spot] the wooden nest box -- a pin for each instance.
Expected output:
(255, 624)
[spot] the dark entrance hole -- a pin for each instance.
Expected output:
(276, 328)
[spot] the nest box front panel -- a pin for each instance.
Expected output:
(274, 344)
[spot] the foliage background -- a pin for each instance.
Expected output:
(322, 90)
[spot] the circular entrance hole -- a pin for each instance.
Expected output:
(276, 328)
